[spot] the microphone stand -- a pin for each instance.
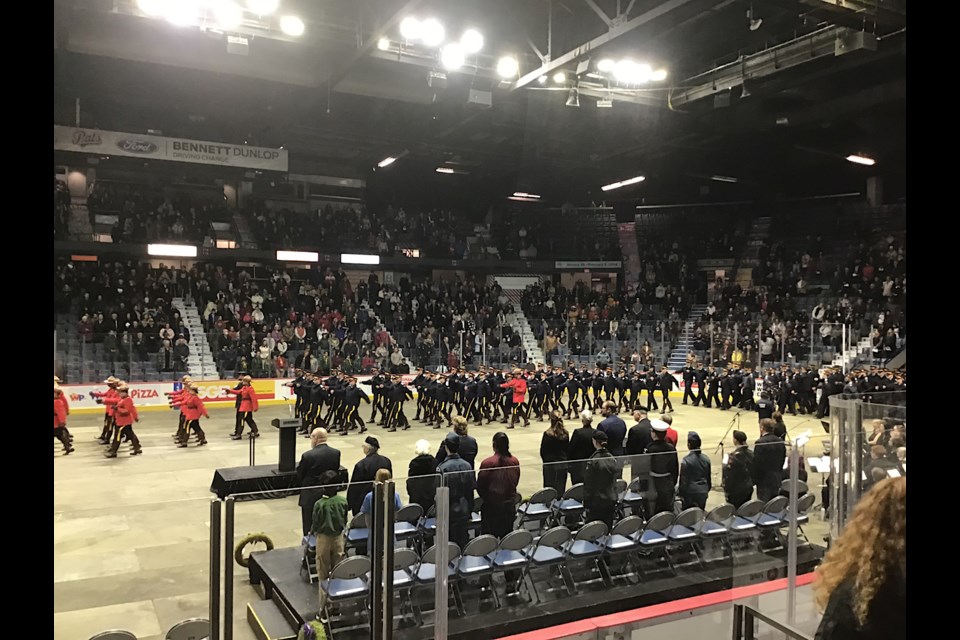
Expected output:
(734, 420)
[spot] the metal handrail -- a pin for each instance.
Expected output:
(743, 623)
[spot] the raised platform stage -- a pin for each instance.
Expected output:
(277, 574)
(264, 477)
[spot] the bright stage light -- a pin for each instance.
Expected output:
(172, 250)
(386, 162)
(622, 183)
(152, 8)
(298, 256)
(623, 71)
(507, 67)
(383, 44)
(542, 79)
(411, 28)
(659, 75)
(524, 194)
(559, 77)
(262, 7)
(433, 33)
(182, 13)
(359, 258)
(864, 160)
(452, 56)
(228, 15)
(444, 170)
(642, 74)
(472, 41)
(291, 25)
(606, 65)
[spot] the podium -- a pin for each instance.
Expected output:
(288, 442)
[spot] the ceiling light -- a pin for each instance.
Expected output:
(182, 13)
(606, 65)
(659, 75)
(472, 41)
(444, 170)
(383, 44)
(864, 160)
(298, 256)
(507, 67)
(523, 199)
(411, 28)
(262, 7)
(752, 20)
(432, 33)
(623, 71)
(291, 25)
(452, 56)
(524, 194)
(573, 98)
(622, 183)
(359, 258)
(172, 250)
(152, 8)
(559, 77)
(642, 74)
(542, 79)
(723, 179)
(228, 15)
(386, 162)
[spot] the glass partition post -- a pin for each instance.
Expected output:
(442, 559)
(228, 570)
(792, 533)
(215, 568)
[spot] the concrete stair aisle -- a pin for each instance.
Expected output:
(749, 258)
(631, 254)
(519, 322)
(862, 350)
(245, 236)
(200, 364)
(678, 357)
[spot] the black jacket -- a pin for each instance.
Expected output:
(468, 449)
(769, 452)
(639, 438)
(361, 482)
(616, 430)
(313, 463)
(886, 616)
(422, 490)
(553, 449)
(599, 480)
(695, 475)
(581, 444)
(738, 472)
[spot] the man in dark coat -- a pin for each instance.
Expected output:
(581, 446)
(738, 472)
(664, 467)
(599, 482)
(459, 478)
(695, 480)
(769, 453)
(320, 458)
(667, 382)
(468, 444)
(364, 473)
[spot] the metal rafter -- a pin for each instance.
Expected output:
(600, 12)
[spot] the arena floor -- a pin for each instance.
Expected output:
(131, 534)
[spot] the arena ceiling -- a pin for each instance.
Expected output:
(775, 107)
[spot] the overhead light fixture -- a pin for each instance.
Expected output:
(659, 75)
(472, 41)
(432, 32)
(228, 15)
(411, 28)
(622, 183)
(604, 103)
(359, 258)
(386, 162)
(524, 194)
(744, 90)
(542, 80)
(452, 56)
(573, 98)
(383, 44)
(292, 26)
(522, 199)
(642, 74)
(182, 13)
(298, 256)
(559, 77)
(262, 7)
(752, 20)
(864, 160)
(445, 170)
(623, 71)
(723, 179)
(172, 250)
(507, 67)
(152, 8)
(606, 65)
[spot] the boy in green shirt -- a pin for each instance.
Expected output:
(329, 521)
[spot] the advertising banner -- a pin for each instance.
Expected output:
(575, 264)
(145, 394)
(135, 145)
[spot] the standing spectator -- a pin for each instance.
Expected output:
(695, 481)
(459, 478)
(365, 472)
(422, 478)
(553, 453)
(861, 584)
(328, 522)
(497, 483)
(599, 482)
(769, 452)
(165, 357)
(468, 444)
(664, 466)
(738, 472)
(615, 428)
(313, 464)
(581, 446)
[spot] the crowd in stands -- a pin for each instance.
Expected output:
(61, 209)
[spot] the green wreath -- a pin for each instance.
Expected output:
(251, 538)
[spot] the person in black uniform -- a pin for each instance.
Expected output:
(364, 472)
(738, 472)
(538, 390)
(689, 374)
(788, 394)
(695, 479)
(444, 394)
(831, 385)
(805, 398)
(764, 406)
(398, 393)
(769, 452)
(376, 383)
(471, 410)
(597, 385)
(636, 388)
(313, 463)
(599, 482)
(318, 395)
(653, 384)
(664, 467)
(726, 389)
(484, 394)
(581, 446)
(700, 375)
(748, 386)
(351, 400)
(667, 382)
(573, 387)
(713, 388)
(418, 385)
(623, 390)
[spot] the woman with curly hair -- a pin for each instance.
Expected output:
(861, 585)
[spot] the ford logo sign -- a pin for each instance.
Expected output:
(137, 146)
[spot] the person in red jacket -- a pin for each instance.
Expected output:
(108, 424)
(519, 387)
(248, 404)
(176, 398)
(60, 411)
(66, 407)
(124, 415)
(193, 409)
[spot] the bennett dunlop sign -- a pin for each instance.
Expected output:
(107, 143)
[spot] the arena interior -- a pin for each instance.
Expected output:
(292, 236)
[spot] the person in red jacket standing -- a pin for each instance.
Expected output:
(60, 411)
(124, 415)
(176, 398)
(193, 409)
(248, 404)
(519, 387)
(101, 398)
(66, 407)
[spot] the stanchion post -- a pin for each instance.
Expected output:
(214, 569)
(228, 570)
(442, 559)
(792, 535)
